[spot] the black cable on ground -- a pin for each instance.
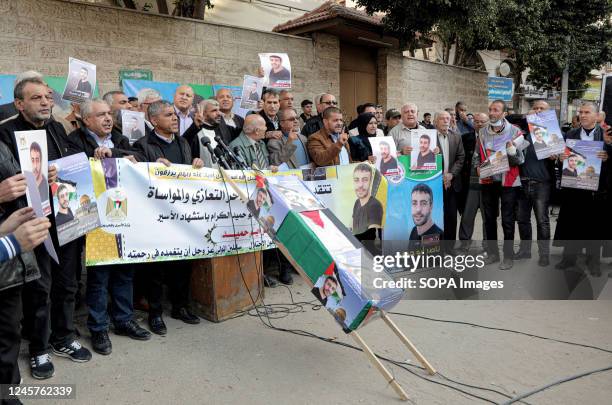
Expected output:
(502, 330)
(558, 382)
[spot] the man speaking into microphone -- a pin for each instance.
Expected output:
(251, 145)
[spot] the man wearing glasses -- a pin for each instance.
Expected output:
(291, 147)
(315, 123)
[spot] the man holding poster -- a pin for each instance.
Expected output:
(571, 233)
(48, 303)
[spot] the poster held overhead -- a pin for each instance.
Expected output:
(81, 81)
(252, 88)
(277, 70)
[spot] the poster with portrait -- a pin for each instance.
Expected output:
(132, 125)
(545, 133)
(81, 81)
(423, 142)
(32, 148)
(421, 224)
(386, 156)
(252, 87)
(74, 200)
(582, 168)
(277, 70)
(497, 157)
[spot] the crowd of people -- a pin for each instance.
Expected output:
(37, 295)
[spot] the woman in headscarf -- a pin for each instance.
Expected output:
(361, 150)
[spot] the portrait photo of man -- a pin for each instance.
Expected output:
(367, 210)
(422, 207)
(134, 133)
(538, 142)
(278, 73)
(84, 85)
(41, 179)
(572, 167)
(388, 164)
(328, 288)
(64, 213)
(251, 93)
(426, 155)
(255, 205)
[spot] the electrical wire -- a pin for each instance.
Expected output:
(503, 330)
(558, 382)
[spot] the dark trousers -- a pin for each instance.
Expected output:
(450, 214)
(10, 338)
(178, 277)
(64, 286)
(102, 280)
(535, 195)
(491, 195)
(472, 204)
(36, 305)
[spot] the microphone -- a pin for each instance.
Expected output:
(222, 162)
(239, 156)
(205, 141)
(226, 149)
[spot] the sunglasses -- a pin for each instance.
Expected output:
(329, 102)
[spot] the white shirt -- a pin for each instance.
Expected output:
(587, 137)
(229, 120)
(106, 142)
(185, 121)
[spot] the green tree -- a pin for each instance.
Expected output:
(542, 35)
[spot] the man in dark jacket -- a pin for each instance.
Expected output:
(208, 122)
(96, 140)
(315, 123)
(48, 323)
(165, 146)
(581, 223)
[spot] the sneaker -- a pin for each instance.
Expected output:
(74, 351)
(101, 343)
(41, 367)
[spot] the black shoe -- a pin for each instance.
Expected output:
(565, 264)
(506, 264)
(490, 259)
(41, 367)
(101, 343)
(74, 351)
(284, 276)
(270, 282)
(595, 270)
(186, 316)
(544, 261)
(157, 325)
(132, 330)
(522, 254)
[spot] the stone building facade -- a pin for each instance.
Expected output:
(43, 34)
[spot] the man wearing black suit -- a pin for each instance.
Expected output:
(453, 156)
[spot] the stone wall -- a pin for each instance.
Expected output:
(42, 34)
(432, 86)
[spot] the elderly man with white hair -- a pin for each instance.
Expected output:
(146, 97)
(401, 133)
(453, 156)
